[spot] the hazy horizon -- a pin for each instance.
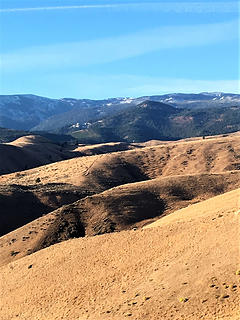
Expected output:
(119, 97)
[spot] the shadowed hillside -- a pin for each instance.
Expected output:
(21, 204)
(103, 193)
(125, 207)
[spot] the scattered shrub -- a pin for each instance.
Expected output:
(38, 180)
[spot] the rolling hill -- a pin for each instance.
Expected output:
(29, 152)
(185, 266)
(8, 135)
(139, 230)
(99, 172)
(168, 176)
(78, 213)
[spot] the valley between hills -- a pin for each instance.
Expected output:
(138, 230)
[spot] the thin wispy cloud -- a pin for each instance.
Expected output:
(177, 7)
(104, 6)
(81, 54)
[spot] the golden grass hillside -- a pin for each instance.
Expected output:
(101, 148)
(29, 152)
(179, 158)
(142, 184)
(185, 267)
(121, 208)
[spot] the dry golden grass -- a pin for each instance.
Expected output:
(101, 148)
(174, 158)
(124, 207)
(131, 188)
(182, 267)
(29, 152)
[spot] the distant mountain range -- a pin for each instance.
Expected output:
(30, 112)
(155, 120)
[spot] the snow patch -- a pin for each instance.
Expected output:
(126, 100)
(76, 125)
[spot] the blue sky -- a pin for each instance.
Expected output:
(99, 49)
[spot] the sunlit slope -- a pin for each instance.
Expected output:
(185, 157)
(169, 176)
(30, 152)
(187, 267)
(121, 208)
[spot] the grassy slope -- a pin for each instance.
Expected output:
(119, 186)
(192, 256)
